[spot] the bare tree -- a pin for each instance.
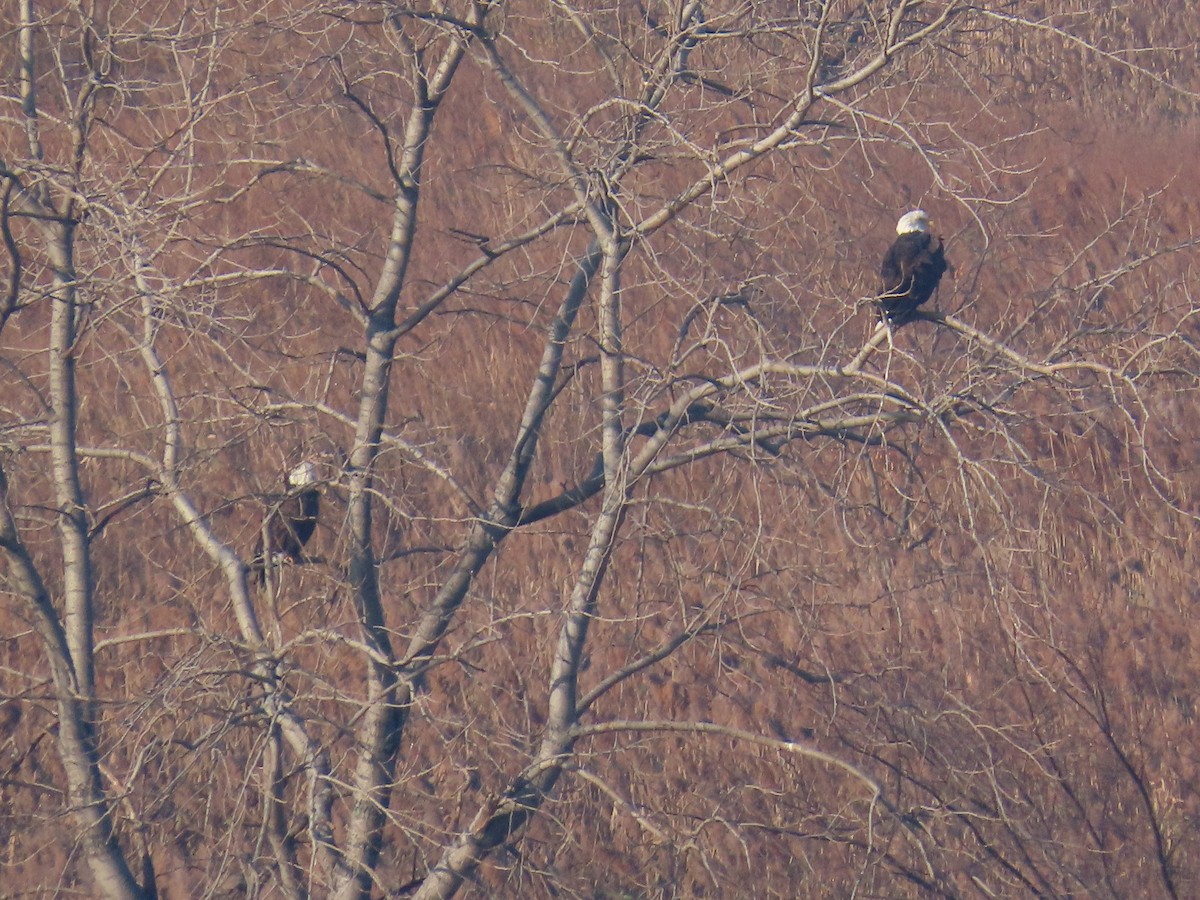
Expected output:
(650, 561)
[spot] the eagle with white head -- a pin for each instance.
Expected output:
(290, 523)
(911, 269)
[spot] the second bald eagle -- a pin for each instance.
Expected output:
(911, 269)
(291, 522)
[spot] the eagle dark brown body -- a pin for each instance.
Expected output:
(912, 268)
(290, 523)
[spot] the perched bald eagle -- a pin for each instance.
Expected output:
(290, 523)
(911, 269)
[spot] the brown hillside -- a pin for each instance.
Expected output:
(764, 601)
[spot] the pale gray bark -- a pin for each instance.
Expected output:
(77, 749)
(68, 641)
(381, 723)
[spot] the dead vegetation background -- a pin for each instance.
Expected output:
(961, 636)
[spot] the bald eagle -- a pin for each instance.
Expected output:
(911, 269)
(290, 523)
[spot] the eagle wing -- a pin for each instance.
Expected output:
(288, 526)
(910, 273)
(908, 253)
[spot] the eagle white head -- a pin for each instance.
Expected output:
(303, 475)
(915, 220)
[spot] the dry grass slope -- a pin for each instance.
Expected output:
(985, 612)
